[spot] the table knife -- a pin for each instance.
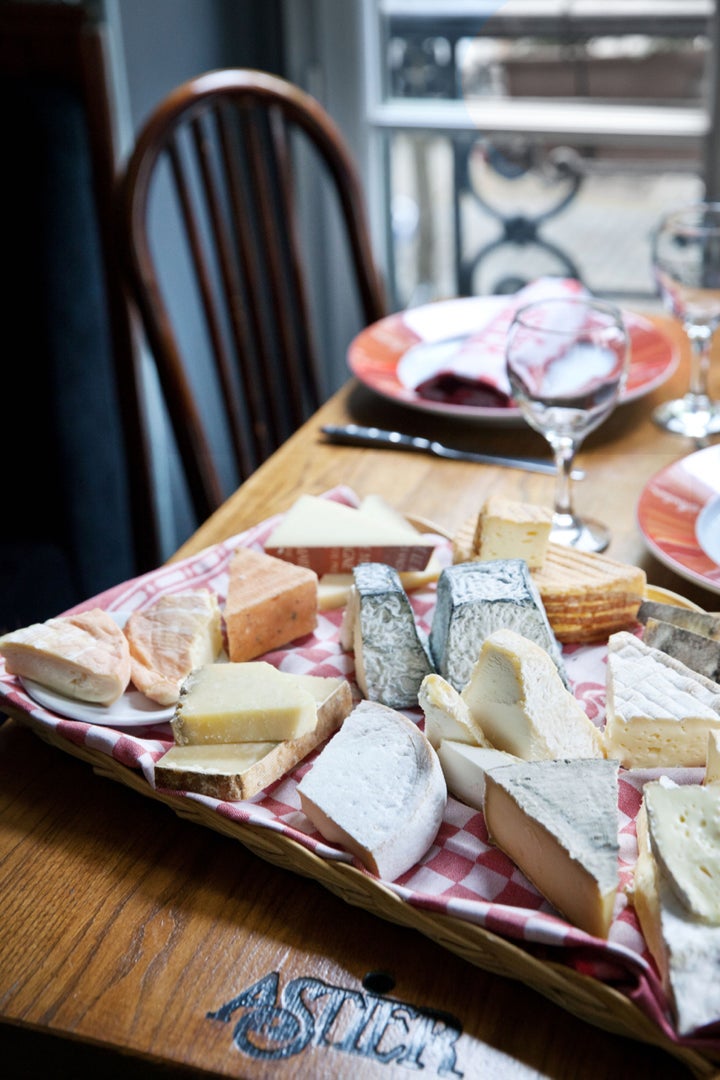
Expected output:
(355, 435)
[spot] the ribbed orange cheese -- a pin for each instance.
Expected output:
(269, 603)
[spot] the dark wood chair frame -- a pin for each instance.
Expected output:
(228, 139)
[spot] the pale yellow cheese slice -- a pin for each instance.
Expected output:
(246, 702)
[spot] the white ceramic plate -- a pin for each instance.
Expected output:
(133, 709)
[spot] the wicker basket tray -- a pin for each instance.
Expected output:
(583, 996)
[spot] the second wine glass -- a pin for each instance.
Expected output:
(567, 362)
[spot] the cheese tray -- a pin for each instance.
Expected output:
(495, 920)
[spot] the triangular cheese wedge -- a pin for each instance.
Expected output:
(658, 711)
(447, 715)
(465, 767)
(558, 822)
(517, 697)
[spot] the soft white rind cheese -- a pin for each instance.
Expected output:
(465, 767)
(391, 661)
(516, 696)
(476, 598)
(684, 830)
(447, 715)
(687, 951)
(378, 790)
(658, 711)
(558, 821)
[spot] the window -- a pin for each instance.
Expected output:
(534, 136)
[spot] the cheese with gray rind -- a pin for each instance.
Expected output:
(558, 822)
(686, 950)
(233, 771)
(658, 711)
(476, 598)
(377, 789)
(698, 622)
(700, 653)
(446, 713)
(465, 767)
(517, 697)
(379, 626)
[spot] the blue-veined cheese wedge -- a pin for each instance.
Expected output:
(377, 789)
(558, 822)
(476, 598)
(671, 860)
(379, 626)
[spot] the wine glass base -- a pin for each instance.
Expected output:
(686, 418)
(583, 534)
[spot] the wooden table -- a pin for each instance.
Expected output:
(124, 925)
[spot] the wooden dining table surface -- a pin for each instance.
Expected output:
(125, 927)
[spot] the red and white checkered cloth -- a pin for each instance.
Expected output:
(462, 874)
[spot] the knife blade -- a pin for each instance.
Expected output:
(356, 435)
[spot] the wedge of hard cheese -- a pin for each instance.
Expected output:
(332, 538)
(658, 711)
(251, 702)
(558, 822)
(234, 771)
(677, 831)
(377, 789)
(517, 698)
(169, 638)
(84, 656)
(269, 603)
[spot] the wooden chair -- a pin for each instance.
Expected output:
(232, 329)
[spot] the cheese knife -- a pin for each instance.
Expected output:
(356, 435)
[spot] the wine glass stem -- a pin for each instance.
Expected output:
(700, 339)
(564, 452)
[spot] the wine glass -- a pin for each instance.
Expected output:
(567, 361)
(686, 264)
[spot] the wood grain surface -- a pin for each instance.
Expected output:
(127, 929)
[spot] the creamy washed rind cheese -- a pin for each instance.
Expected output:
(234, 771)
(250, 702)
(476, 598)
(465, 767)
(658, 711)
(446, 713)
(686, 949)
(83, 656)
(379, 626)
(516, 696)
(377, 789)
(169, 638)
(269, 603)
(558, 822)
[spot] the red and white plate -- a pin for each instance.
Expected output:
(679, 516)
(394, 355)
